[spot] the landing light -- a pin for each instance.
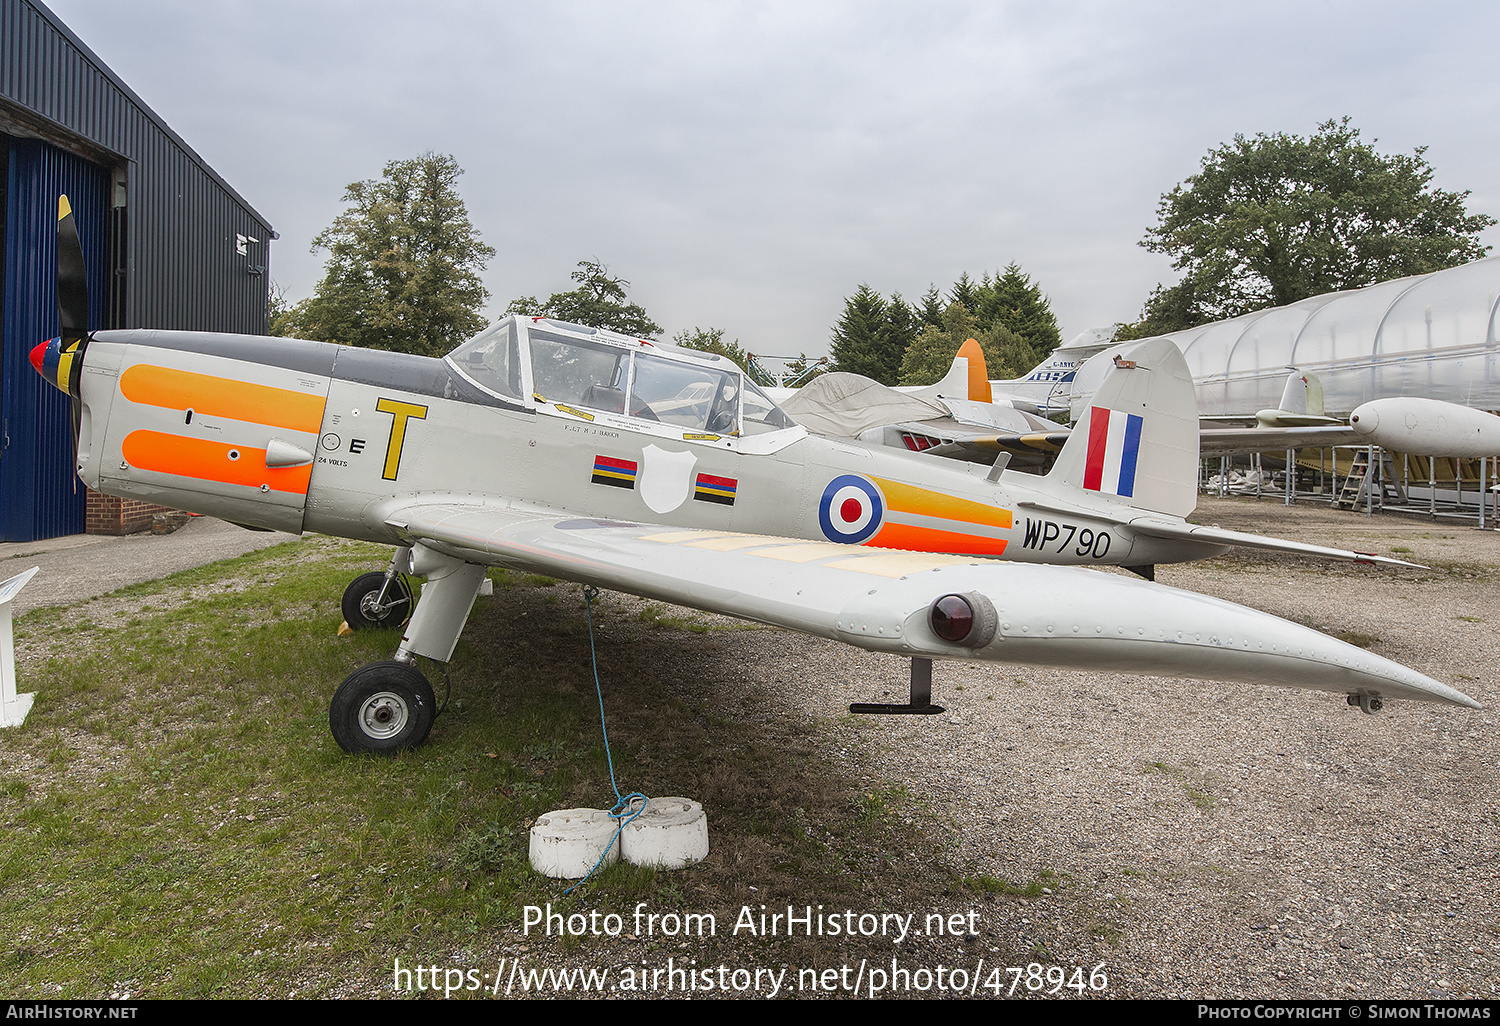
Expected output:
(952, 618)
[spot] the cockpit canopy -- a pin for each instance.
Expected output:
(567, 365)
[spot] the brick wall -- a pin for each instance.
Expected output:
(110, 514)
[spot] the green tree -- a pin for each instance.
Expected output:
(900, 328)
(1278, 218)
(856, 346)
(932, 307)
(1168, 308)
(711, 340)
(873, 333)
(1015, 302)
(403, 265)
(598, 302)
(279, 310)
(965, 293)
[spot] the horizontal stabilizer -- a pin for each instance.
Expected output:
(1180, 531)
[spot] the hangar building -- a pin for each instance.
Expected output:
(168, 243)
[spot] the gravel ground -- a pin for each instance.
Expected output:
(1221, 841)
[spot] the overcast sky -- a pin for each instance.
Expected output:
(747, 165)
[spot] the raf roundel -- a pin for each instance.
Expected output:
(851, 510)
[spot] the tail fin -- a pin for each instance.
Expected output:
(1138, 440)
(979, 375)
(1301, 404)
(967, 377)
(1303, 394)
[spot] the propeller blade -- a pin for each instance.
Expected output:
(72, 308)
(72, 277)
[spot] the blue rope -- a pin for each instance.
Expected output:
(625, 808)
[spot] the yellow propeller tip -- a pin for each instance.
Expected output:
(63, 207)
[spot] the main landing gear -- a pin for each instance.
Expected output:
(387, 707)
(377, 600)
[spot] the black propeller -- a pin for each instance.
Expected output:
(72, 310)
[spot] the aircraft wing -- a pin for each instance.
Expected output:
(884, 600)
(1229, 441)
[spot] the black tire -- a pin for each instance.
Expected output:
(360, 611)
(381, 709)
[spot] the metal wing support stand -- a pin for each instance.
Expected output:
(13, 707)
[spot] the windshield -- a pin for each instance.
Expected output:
(761, 414)
(491, 359)
(597, 376)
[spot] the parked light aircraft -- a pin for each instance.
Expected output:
(955, 417)
(643, 468)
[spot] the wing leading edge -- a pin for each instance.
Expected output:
(881, 599)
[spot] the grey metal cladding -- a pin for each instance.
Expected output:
(181, 220)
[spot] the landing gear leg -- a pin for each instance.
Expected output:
(388, 706)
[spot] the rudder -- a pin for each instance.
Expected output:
(1137, 442)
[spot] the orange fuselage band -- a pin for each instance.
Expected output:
(213, 396)
(211, 461)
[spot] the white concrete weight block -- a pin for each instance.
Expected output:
(565, 844)
(670, 834)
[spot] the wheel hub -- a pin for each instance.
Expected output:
(383, 715)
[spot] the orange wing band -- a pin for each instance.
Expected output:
(211, 461)
(214, 396)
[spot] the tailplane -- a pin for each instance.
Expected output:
(1137, 442)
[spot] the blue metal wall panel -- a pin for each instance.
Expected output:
(39, 495)
(168, 255)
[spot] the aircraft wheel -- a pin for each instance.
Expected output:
(381, 709)
(363, 609)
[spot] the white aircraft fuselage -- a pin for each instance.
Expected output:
(201, 421)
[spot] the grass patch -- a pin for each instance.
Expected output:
(657, 615)
(1357, 639)
(1044, 882)
(1197, 790)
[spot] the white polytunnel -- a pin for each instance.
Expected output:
(1431, 335)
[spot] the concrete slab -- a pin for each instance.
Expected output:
(82, 566)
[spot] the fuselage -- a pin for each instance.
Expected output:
(306, 436)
